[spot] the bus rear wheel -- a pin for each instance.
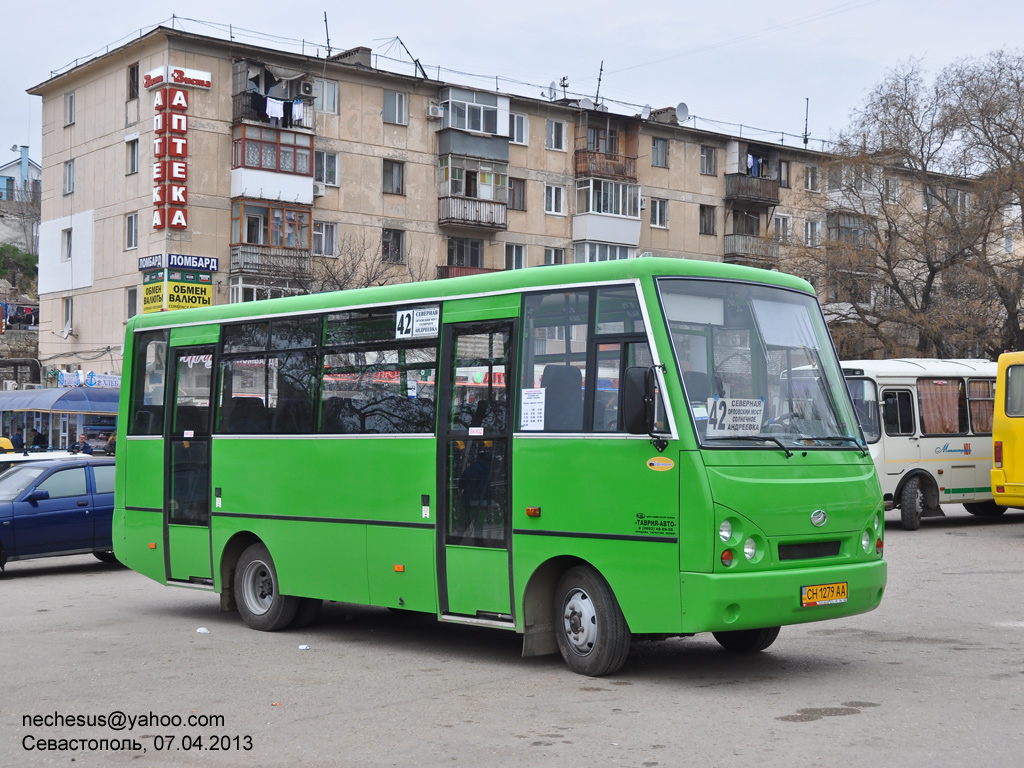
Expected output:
(985, 508)
(747, 640)
(257, 593)
(911, 504)
(592, 633)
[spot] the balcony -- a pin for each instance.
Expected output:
(446, 270)
(598, 164)
(740, 186)
(244, 107)
(270, 261)
(469, 212)
(752, 251)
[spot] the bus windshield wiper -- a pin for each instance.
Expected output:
(758, 438)
(845, 439)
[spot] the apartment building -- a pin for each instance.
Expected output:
(181, 170)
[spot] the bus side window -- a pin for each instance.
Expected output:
(898, 410)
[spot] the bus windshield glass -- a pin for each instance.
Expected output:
(757, 365)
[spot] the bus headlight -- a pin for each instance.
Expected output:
(725, 531)
(878, 522)
(865, 541)
(750, 548)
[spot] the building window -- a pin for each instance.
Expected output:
(554, 255)
(69, 316)
(518, 128)
(393, 171)
(783, 228)
(601, 140)
(812, 178)
(69, 177)
(554, 200)
(69, 108)
(65, 245)
(131, 231)
(392, 244)
(784, 173)
(325, 167)
(659, 212)
(324, 239)
(272, 150)
(325, 96)
(615, 198)
(707, 219)
(555, 135)
(515, 256)
(133, 84)
(517, 194)
(707, 161)
(465, 252)
(131, 302)
(746, 223)
(132, 156)
(586, 252)
(396, 108)
(659, 152)
(812, 233)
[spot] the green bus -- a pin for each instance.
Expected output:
(582, 454)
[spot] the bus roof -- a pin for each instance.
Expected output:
(473, 285)
(918, 366)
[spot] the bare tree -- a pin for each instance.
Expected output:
(908, 225)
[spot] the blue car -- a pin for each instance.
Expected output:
(57, 507)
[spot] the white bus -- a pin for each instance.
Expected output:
(928, 425)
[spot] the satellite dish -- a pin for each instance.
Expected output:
(552, 92)
(682, 112)
(645, 112)
(586, 103)
(602, 107)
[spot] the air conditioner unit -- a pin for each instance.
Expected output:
(643, 203)
(435, 111)
(10, 384)
(26, 385)
(319, 189)
(306, 88)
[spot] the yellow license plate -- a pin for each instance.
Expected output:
(823, 594)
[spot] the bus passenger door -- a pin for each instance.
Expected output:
(474, 450)
(187, 502)
(900, 443)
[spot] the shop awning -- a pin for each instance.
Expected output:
(62, 400)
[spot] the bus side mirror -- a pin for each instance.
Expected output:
(638, 400)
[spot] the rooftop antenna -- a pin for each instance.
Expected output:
(600, 73)
(419, 67)
(328, 33)
(807, 113)
(564, 82)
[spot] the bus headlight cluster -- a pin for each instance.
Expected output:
(736, 540)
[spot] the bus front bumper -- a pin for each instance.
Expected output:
(716, 602)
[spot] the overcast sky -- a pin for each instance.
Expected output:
(739, 63)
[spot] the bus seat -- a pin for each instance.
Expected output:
(190, 418)
(149, 420)
(292, 416)
(563, 398)
(697, 387)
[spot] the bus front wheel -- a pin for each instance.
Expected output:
(257, 593)
(592, 633)
(911, 504)
(747, 640)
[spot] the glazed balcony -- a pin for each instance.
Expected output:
(751, 189)
(448, 270)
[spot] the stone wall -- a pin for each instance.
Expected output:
(19, 344)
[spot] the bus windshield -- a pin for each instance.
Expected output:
(757, 365)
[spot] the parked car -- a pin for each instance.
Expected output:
(57, 507)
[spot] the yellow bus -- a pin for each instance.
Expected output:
(1008, 432)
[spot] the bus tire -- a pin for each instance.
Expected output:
(747, 640)
(105, 557)
(308, 612)
(257, 592)
(592, 633)
(911, 504)
(985, 508)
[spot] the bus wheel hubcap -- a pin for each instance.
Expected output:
(580, 622)
(258, 586)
